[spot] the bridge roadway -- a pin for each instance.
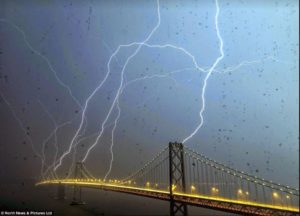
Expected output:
(243, 207)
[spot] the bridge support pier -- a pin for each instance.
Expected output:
(61, 194)
(77, 193)
(177, 178)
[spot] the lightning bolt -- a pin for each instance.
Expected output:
(86, 138)
(100, 86)
(196, 66)
(123, 84)
(110, 50)
(49, 137)
(227, 70)
(77, 143)
(208, 75)
(122, 79)
(46, 60)
(144, 43)
(112, 140)
(43, 57)
(168, 75)
(242, 64)
(116, 100)
(84, 130)
(54, 133)
(21, 125)
(57, 127)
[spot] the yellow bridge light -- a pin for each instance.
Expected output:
(240, 191)
(193, 188)
(287, 196)
(247, 193)
(215, 189)
(173, 187)
(156, 185)
(275, 194)
(148, 184)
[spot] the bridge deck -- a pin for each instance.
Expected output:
(218, 203)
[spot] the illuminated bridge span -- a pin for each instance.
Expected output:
(183, 177)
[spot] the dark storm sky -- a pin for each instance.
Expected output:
(251, 115)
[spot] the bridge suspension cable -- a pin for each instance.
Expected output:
(212, 179)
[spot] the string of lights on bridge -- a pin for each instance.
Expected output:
(162, 177)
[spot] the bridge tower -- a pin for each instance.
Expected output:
(77, 193)
(177, 178)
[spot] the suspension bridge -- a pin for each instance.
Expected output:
(184, 177)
